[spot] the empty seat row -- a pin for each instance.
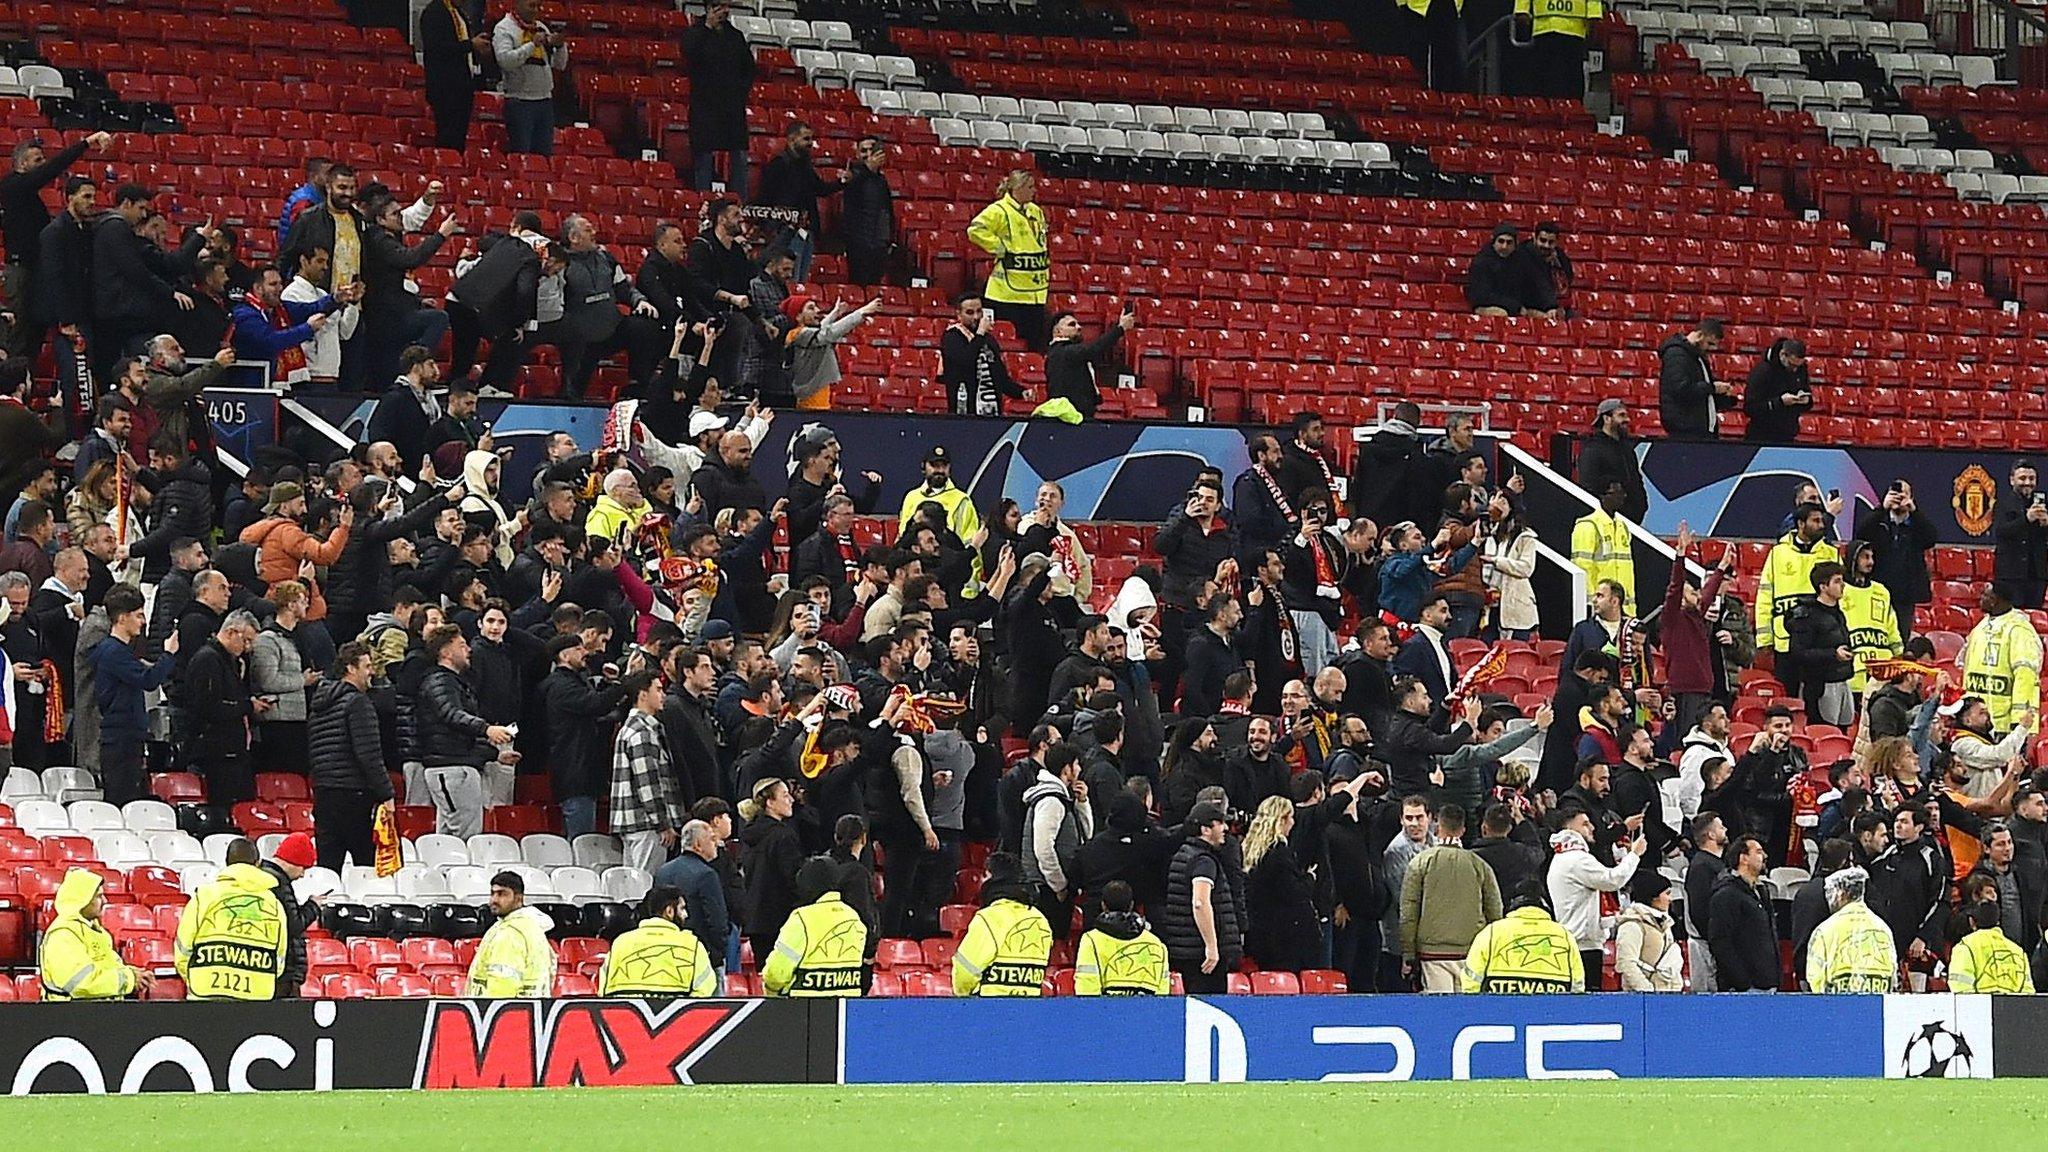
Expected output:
(1090, 114)
(834, 35)
(1743, 60)
(1785, 31)
(828, 70)
(58, 784)
(33, 81)
(1935, 69)
(1876, 129)
(1163, 145)
(1940, 160)
(1770, 7)
(1779, 92)
(471, 884)
(1999, 187)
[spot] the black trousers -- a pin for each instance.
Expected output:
(934, 886)
(907, 864)
(1028, 319)
(343, 823)
(121, 776)
(867, 266)
(452, 107)
(1593, 960)
(1196, 982)
(465, 330)
(636, 336)
(1436, 43)
(1555, 66)
(1059, 910)
(2027, 593)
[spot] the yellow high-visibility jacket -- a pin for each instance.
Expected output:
(78, 957)
(1873, 628)
(1107, 965)
(818, 952)
(232, 938)
(2001, 662)
(1852, 951)
(1985, 961)
(1004, 953)
(1561, 17)
(1601, 549)
(1015, 235)
(516, 958)
(1524, 951)
(658, 958)
(1787, 580)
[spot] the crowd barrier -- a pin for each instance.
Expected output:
(1111, 471)
(431, 1044)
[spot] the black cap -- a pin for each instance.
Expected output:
(937, 454)
(1205, 814)
(462, 386)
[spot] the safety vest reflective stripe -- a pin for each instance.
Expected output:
(1873, 627)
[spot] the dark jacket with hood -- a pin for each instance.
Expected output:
(1389, 479)
(1604, 460)
(296, 918)
(1131, 848)
(1743, 936)
(772, 854)
(1901, 548)
(1771, 420)
(1492, 281)
(1685, 388)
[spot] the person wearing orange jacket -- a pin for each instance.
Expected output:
(284, 547)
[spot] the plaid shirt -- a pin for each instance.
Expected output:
(643, 788)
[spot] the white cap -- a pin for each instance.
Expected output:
(702, 422)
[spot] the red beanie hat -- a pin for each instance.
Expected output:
(296, 850)
(793, 306)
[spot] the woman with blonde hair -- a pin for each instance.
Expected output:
(1284, 934)
(1013, 230)
(278, 675)
(92, 502)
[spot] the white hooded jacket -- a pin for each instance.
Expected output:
(1577, 878)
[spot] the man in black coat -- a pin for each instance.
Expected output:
(407, 409)
(494, 299)
(23, 216)
(1265, 514)
(2020, 527)
(1393, 479)
(594, 288)
(1741, 929)
(579, 739)
(133, 295)
(214, 693)
(1900, 536)
(361, 580)
(1411, 747)
(1779, 392)
(1132, 847)
(688, 722)
(393, 317)
(1560, 765)
(1493, 283)
(294, 855)
(1688, 396)
(60, 294)
(448, 45)
(728, 481)
(1070, 362)
(790, 183)
(867, 214)
(664, 280)
(1212, 657)
(1302, 463)
(346, 751)
(721, 70)
(1514, 862)
(1608, 456)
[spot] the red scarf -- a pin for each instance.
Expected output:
(849, 559)
(1063, 555)
(1326, 570)
(1329, 481)
(290, 364)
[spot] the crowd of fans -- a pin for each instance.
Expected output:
(1267, 746)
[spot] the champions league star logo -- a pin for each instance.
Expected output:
(1936, 1052)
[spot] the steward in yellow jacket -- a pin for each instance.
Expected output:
(1601, 547)
(233, 937)
(1867, 606)
(1013, 230)
(1788, 578)
(1523, 952)
(660, 957)
(516, 959)
(78, 957)
(822, 945)
(1120, 956)
(1008, 944)
(1852, 951)
(2001, 661)
(1986, 961)
(1573, 18)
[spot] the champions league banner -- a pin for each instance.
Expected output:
(1111, 471)
(1738, 490)
(128, 1048)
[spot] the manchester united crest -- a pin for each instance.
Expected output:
(1973, 500)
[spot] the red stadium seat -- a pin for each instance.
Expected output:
(1322, 982)
(348, 986)
(1275, 984)
(897, 955)
(1237, 984)
(921, 983)
(403, 985)
(277, 787)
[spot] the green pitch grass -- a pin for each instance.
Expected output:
(1097, 1118)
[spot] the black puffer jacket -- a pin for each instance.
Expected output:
(342, 737)
(446, 725)
(1177, 920)
(296, 917)
(181, 505)
(360, 581)
(772, 854)
(579, 739)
